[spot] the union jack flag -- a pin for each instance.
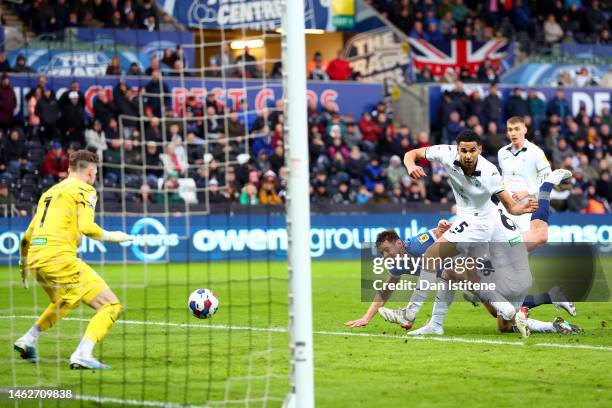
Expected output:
(457, 54)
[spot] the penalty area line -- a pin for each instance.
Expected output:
(341, 333)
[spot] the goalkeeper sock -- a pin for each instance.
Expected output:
(543, 211)
(444, 298)
(32, 335)
(536, 300)
(101, 323)
(426, 279)
(85, 348)
(53, 313)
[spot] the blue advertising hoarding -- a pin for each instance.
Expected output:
(349, 97)
(260, 237)
(328, 15)
(87, 52)
(593, 99)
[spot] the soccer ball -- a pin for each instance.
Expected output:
(203, 303)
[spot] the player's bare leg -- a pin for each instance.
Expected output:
(108, 309)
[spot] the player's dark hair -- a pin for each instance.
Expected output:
(81, 159)
(469, 136)
(388, 235)
(516, 119)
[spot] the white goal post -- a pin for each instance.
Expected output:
(298, 206)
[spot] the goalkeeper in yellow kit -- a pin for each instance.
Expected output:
(64, 214)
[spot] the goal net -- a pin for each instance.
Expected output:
(197, 175)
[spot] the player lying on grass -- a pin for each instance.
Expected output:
(64, 214)
(390, 245)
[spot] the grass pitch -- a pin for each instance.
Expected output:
(163, 356)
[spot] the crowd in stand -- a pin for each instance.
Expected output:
(581, 143)
(353, 159)
(546, 21)
(55, 15)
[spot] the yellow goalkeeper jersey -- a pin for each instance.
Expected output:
(64, 214)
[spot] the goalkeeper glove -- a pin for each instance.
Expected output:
(24, 271)
(116, 236)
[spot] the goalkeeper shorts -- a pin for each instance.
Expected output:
(71, 282)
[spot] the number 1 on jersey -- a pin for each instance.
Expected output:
(47, 202)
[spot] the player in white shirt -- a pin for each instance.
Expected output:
(523, 165)
(474, 181)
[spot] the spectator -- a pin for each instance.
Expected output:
(415, 192)
(48, 111)
(156, 93)
(339, 69)
(583, 78)
(6, 198)
(536, 107)
(248, 195)
(15, 153)
(267, 192)
(8, 103)
(95, 139)
(114, 68)
(558, 105)
(111, 160)
(248, 64)
(64, 100)
(21, 66)
(379, 195)
(352, 135)
(459, 11)
(493, 141)
(134, 69)
(316, 62)
(492, 106)
(437, 191)
(5, 66)
(344, 195)
(517, 105)
(170, 193)
(433, 34)
(103, 110)
(370, 131)
(562, 151)
(454, 126)
(395, 172)
(318, 72)
(418, 32)
(374, 174)
(55, 165)
(553, 33)
(363, 195)
(72, 123)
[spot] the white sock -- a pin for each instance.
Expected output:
(444, 298)
(32, 335)
(539, 326)
(419, 295)
(503, 307)
(85, 348)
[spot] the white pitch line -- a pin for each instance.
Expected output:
(340, 333)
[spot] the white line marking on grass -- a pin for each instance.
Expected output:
(139, 403)
(340, 333)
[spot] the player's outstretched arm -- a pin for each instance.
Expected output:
(379, 301)
(410, 158)
(88, 227)
(517, 208)
(24, 247)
